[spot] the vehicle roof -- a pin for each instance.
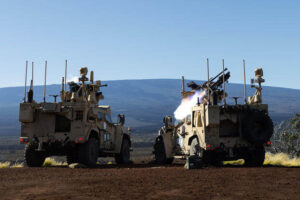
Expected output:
(104, 108)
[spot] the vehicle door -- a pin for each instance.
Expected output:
(109, 135)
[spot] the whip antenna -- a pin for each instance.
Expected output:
(45, 81)
(224, 93)
(208, 92)
(245, 93)
(32, 72)
(25, 92)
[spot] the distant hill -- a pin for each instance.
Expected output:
(145, 102)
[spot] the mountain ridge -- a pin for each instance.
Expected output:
(146, 101)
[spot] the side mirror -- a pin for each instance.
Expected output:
(121, 119)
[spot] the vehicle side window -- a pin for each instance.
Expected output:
(197, 119)
(188, 119)
(99, 116)
(194, 118)
(108, 118)
(106, 137)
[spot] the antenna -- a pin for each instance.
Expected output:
(224, 93)
(245, 94)
(32, 72)
(25, 81)
(63, 85)
(30, 92)
(66, 72)
(208, 92)
(92, 77)
(182, 85)
(45, 81)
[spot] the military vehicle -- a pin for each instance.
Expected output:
(213, 131)
(75, 127)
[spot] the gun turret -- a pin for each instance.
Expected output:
(211, 85)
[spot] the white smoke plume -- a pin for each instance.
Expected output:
(73, 79)
(184, 109)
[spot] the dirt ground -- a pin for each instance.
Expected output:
(150, 182)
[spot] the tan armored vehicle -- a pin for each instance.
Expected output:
(76, 126)
(208, 132)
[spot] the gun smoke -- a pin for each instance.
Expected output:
(184, 109)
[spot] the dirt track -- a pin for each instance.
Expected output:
(138, 182)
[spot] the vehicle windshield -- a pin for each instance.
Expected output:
(100, 116)
(108, 118)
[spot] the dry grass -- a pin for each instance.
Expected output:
(19, 165)
(48, 163)
(234, 162)
(52, 162)
(281, 159)
(10, 165)
(5, 165)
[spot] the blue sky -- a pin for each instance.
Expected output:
(142, 39)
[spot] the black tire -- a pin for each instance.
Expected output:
(33, 158)
(88, 152)
(124, 156)
(213, 158)
(257, 127)
(72, 156)
(160, 152)
(255, 157)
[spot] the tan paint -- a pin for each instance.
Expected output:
(204, 122)
(80, 108)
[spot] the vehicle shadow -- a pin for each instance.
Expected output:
(154, 165)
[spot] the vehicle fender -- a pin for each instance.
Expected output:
(200, 137)
(191, 139)
(93, 132)
(120, 141)
(200, 140)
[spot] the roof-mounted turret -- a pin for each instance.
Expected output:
(84, 92)
(211, 87)
(83, 73)
(214, 88)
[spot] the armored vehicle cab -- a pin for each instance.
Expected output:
(76, 126)
(211, 132)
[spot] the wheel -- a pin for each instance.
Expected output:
(124, 156)
(212, 158)
(169, 160)
(88, 152)
(160, 153)
(33, 158)
(257, 127)
(255, 157)
(72, 156)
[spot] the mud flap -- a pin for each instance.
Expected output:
(193, 162)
